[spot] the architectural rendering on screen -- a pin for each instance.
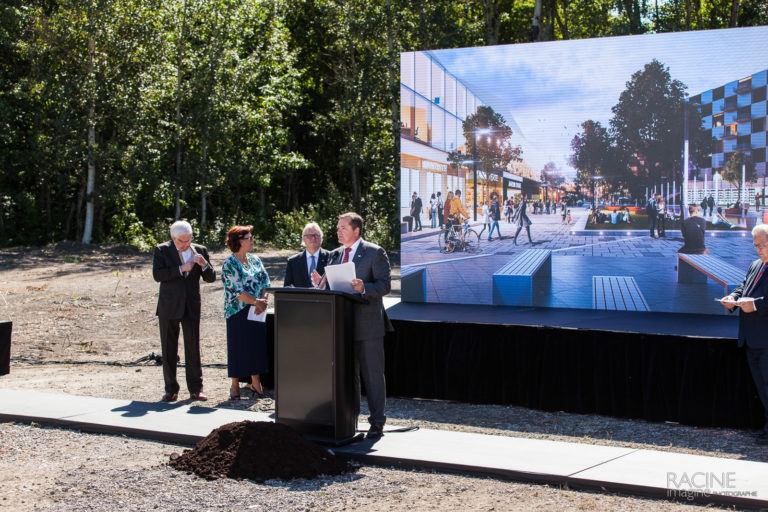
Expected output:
(616, 173)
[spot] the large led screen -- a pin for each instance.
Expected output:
(563, 174)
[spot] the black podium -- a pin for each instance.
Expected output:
(5, 347)
(314, 391)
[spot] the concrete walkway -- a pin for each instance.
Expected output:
(577, 465)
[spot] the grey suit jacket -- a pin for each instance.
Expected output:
(372, 267)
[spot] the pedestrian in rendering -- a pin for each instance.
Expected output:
(651, 210)
(495, 217)
(433, 211)
(486, 218)
(416, 211)
(440, 209)
(522, 220)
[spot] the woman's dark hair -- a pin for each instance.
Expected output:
(235, 234)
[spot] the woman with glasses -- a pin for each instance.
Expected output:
(245, 282)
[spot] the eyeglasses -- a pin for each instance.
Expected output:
(246, 237)
(312, 235)
(761, 246)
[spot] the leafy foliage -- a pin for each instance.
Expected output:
(265, 112)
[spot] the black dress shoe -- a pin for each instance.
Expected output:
(762, 440)
(757, 432)
(375, 431)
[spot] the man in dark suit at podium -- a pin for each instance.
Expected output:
(753, 320)
(373, 282)
(178, 266)
(298, 270)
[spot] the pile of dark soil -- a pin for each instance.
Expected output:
(257, 450)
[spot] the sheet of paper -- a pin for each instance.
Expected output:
(340, 277)
(254, 317)
(740, 301)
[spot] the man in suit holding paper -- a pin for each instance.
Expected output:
(299, 269)
(372, 281)
(751, 296)
(178, 266)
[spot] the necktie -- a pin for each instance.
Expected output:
(347, 250)
(181, 258)
(312, 265)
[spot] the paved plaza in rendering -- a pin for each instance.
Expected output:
(577, 255)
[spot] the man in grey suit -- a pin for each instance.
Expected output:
(750, 297)
(371, 322)
(299, 269)
(178, 266)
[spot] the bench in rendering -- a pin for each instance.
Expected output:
(617, 293)
(513, 284)
(696, 268)
(413, 283)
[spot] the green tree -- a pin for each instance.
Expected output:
(590, 150)
(647, 123)
(736, 165)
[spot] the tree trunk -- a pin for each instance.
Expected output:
(91, 180)
(80, 197)
(355, 185)
(179, 63)
(491, 12)
(394, 92)
(699, 19)
(733, 22)
(68, 223)
(562, 23)
(203, 180)
(688, 11)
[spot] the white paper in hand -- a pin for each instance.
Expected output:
(340, 277)
(254, 317)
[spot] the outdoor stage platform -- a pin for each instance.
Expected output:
(655, 366)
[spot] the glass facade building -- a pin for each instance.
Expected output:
(433, 106)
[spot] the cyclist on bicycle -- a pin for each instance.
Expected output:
(458, 213)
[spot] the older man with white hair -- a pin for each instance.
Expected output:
(750, 296)
(299, 268)
(178, 266)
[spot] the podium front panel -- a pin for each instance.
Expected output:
(5, 347)
(314, 362)
(304, 364)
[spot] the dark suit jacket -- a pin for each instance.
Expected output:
(753, 327)
(372, 267)
(177, 292)
(296, 273)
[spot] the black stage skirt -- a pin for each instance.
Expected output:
(246, 345)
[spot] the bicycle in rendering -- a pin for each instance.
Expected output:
(456, 238)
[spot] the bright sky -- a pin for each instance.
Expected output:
(546, 90)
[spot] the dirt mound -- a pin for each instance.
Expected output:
(257, 450)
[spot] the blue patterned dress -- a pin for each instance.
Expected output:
(246, 339)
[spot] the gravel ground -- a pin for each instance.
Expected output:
(90, 303)
(63, 470)
(45, 468)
